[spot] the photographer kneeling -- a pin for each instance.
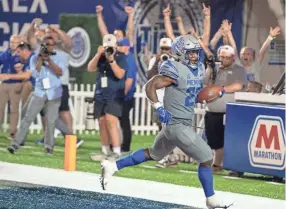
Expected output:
(109, 93)
(46, 67)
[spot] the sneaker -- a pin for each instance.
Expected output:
(48, 151)
(108, 168)
(79, 142)
(98, 157)
(162, 163)
(12, 149)
(212, 203)
(40, 142)
(166, 163)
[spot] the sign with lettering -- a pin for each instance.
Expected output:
(266, 146)
(16, 15)
(254, 140)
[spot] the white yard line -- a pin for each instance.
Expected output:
(184, 171)
(3, 149)
(148, 166)
(129, 187)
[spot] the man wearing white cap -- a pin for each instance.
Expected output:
(109, 93)
(165, 48)
(227, 73)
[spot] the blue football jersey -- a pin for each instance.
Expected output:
(180, 98)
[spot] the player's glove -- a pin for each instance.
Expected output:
(163, 115)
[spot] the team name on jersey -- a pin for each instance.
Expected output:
(194, 82)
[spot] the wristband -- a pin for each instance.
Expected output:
(112, 61)
(222, 92)
(157, 105)
(271, 37)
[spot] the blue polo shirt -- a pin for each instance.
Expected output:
(55, 90)
(115, 87)
(7, 60)
(131, 73)
(27, 67)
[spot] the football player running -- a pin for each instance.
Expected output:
(182, 79)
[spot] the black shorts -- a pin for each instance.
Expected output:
(214, 130)
(64, 101)
(112, 107)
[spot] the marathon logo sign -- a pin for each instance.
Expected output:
(266, 146)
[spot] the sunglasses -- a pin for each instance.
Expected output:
(24, 45)
(165, 48)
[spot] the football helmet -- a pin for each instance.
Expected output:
(182, 45)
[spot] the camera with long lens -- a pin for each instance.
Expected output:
(44, 51)
(108, 51)
(164, 57)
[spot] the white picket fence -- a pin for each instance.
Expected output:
(140, 116)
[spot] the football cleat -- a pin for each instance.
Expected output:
(108, 168)
(212, 203)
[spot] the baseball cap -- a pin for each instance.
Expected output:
(109, 40)
(165, 42)
(226, 48)
(123, 42)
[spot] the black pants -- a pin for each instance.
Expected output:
(214, 130)
(125, 125)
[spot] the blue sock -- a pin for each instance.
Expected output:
(206, 179)
(132, 159)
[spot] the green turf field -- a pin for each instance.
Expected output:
(33, 154)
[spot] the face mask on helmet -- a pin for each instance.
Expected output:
(192, 58)
(181, 48)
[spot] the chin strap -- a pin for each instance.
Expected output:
(194, 66)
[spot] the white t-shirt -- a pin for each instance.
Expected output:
(160, 92)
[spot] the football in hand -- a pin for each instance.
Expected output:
(210, 93)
